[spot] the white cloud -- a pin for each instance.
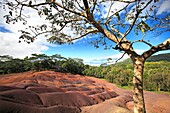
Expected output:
(9, 41)
(139, 51)
(9, 46)
(102, 60)
(116, 6)
(164, 7)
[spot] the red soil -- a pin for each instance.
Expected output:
(54, 92)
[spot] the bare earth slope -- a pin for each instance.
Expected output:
(54, 92)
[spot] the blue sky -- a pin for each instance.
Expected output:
(80, 49)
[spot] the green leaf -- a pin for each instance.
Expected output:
(123, 25)
(167, 17)
(48, 1)
(143, 30)
(146, 26)
(118, 17)
(10, 12)
(142, 3)
(30, 3)
(45, 10)
(156, 1)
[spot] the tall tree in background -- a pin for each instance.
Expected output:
(98, 17)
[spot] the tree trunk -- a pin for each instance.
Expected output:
(138, 97)
(158, 86)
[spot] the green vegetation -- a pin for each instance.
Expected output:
(160, 57)
(156, 74)
(125, 87)
(40, 62)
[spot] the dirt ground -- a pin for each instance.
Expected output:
(54, 92)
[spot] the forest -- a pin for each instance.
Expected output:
(39, 62)
(156, 74)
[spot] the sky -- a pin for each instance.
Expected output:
(80, 49)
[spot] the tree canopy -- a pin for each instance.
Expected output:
(97, 17)
(39, 62)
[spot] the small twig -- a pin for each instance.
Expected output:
(115, 13)
(121, 57)
(88, 32)
(143, 42)
(95, 2)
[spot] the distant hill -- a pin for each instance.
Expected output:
(160, 57)
(154, 58)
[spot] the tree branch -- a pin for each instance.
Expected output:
(88, 32)
(55, 3)
(79, 5)
(115, 30)
(135, 19)
(163, 46)
(69, 10)
(143, 42)
(94, 5)
(109, 11)
(121, 57)
(125, 1)
(110, 17)
(125, 45)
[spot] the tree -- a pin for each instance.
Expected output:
(89, 17)
(74, 66)
(41, 61)
(11, 65)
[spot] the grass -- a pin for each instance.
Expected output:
(125, 87)
(162, 92)
(131, 87)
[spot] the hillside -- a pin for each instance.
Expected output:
(159, 57)
(54, 92)
(154, 58)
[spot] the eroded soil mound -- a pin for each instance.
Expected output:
(49, 92)
(54, 92)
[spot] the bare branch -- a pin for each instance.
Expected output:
(87, 9)
(86, 5)
(136, 17)
(109, 11)
(115, 30)
(110, 17)
(69, 10)
(55, 3)
(94, 5)
(35, 5)
(114, 60)
(125, 1)
(163, 46)
(121, 57)
(143, 42)
(88, 32)
(134, 21)
(38, 34)
(79, 5)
